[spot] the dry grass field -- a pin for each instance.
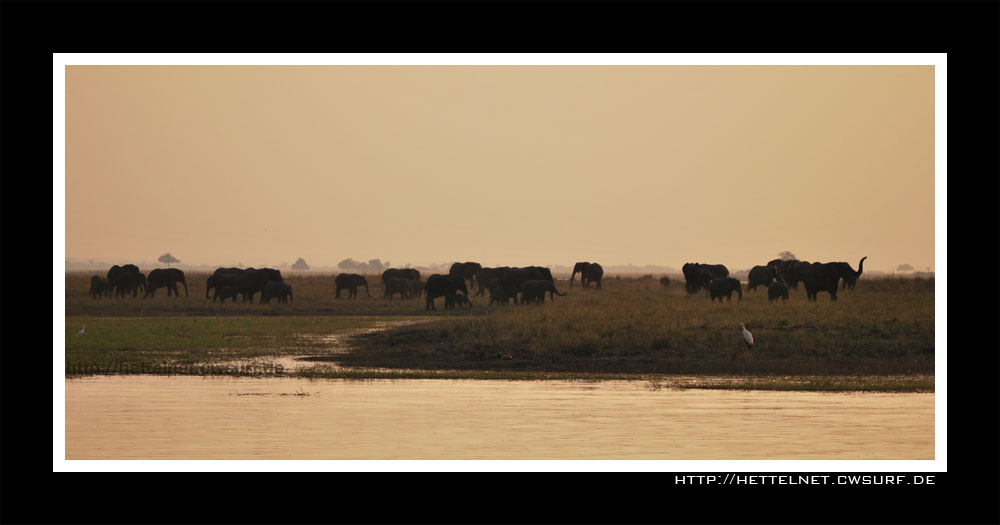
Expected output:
(883, 327)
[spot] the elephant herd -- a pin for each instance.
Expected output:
(527, 285)
(246, 283)
(503, 283)
(122, 280)
(778, 276)
(226, 282)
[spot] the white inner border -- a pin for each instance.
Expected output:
(938, 60)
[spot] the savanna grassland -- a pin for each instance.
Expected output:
(879, 336)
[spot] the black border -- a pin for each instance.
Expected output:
(31, 31)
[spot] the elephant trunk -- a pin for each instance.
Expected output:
(209, 286)
(571, 277)
(366, 289)
(291, 298)
(861, 265)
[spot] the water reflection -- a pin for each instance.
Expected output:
(154, 417)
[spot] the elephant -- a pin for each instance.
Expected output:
(825, 277)
(665, 282)
(351, 282)
(589, 272)
(724, 287)
(534, 291)
(165, 278)
(791, 270)
(463, 300)
(467, 271)
(129, 282)
(226, 292)
(762, 276)
(438, 285)
(222, 277)
(117, 271)
(416, 288)
(515, 277)
(400, 273)
(777, 290)
(99, 287)
(395, 285)
(499, 294)
(277, 290)
(696, 278)
(488, 278)
(253, 280)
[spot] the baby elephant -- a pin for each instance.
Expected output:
(777, 290)
(277, 290)
(499, 294)
(226, 292)
(463, 300)
(99, 287)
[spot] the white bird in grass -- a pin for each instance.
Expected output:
(747, 336)
(78, 334)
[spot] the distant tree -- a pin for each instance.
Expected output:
(347, 264)
(904, 268)
(787, 256)
(300, 264)
(167, 259)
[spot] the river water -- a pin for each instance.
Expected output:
(185, 417)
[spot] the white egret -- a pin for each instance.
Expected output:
(78, 334)
(747, 336)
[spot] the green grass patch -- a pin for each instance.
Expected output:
(132, 343)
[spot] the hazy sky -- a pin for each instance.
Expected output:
(505, 165)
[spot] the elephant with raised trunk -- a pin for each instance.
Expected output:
(589, 272)
(99, 287)
(534, 291)
(698, 276)
(825, 277)
(350, 282)
(724, 287)
(276, 290)
(443, 286)
(762, 276)
(165, 278)
(222, 277)
(467, 271)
